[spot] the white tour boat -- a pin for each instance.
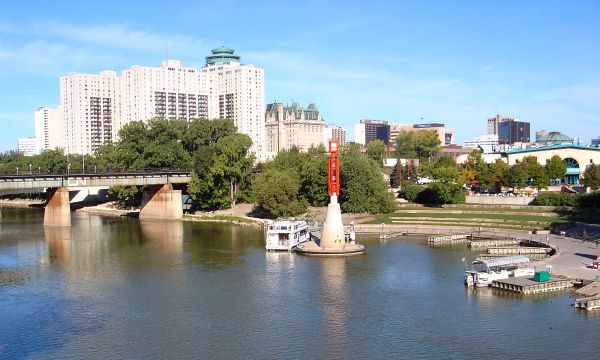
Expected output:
(483, 272)
(286, 234)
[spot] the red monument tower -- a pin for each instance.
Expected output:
(333, 169)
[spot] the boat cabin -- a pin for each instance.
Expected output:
(286, 235)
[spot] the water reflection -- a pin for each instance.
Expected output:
(166, 236)
(279, 261)
(219, 246)
(60, 246)
(334, 303)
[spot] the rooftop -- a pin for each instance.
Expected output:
(222, 55)
(551, 147)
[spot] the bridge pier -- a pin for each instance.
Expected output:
(58, 210)
(161, 202)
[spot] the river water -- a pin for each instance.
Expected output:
(113, 288)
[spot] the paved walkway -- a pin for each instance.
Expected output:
(574, 256)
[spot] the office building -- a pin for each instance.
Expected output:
(27, 146)
(446, 135)
(368, 130)
(511, 132)
(486, 143)
(335, 132)
(493, 122)
(289, 126)
(596, 141)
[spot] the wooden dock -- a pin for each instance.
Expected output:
(525, 285)
(438, 239)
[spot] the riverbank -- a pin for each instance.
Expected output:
(20, 203)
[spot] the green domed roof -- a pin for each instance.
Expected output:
(555, 137)
(222, 50)
(222, 55)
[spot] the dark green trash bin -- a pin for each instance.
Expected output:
(541, 276)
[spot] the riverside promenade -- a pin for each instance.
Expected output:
(573, 258)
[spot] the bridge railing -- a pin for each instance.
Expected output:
(94, 173)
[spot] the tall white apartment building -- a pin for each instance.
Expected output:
(88, 103)
(49, 129)
(169, 91)
(96, 107)
(335, 132)
(288, 126)
(236, 92)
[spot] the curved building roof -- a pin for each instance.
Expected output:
(554, 137)
(222, 55)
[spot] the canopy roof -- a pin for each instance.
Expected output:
(501, 262)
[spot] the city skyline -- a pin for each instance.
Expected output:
(453, 63)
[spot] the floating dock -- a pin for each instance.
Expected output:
(492, 243)
(588, 303)
(525, 285)
(447, 238)
(518, 250)
(392, 235)
(590, 299)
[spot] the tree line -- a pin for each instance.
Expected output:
(449, 180)
(221, 168)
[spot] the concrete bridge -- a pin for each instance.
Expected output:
(159, 200)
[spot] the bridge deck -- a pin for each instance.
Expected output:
(33, 182)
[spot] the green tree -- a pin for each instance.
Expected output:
(376, 151)
(396, 174)
(277, 193)
(410, 191)
(536, 174)
(423, 144)
(363, 188)
(499, 169)
(204, 132)
(313, 177)
(232, 162)
(555, 168)
(591, 176)
(445, 161)
(446, 187)
(447, 193)
(446, 175)
(127, 196)
(517, 177)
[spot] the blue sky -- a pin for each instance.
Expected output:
(455, 62)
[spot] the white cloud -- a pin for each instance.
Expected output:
(120, 36)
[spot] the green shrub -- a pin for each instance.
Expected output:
(589, 200)
(573, 200)
(410, 191)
